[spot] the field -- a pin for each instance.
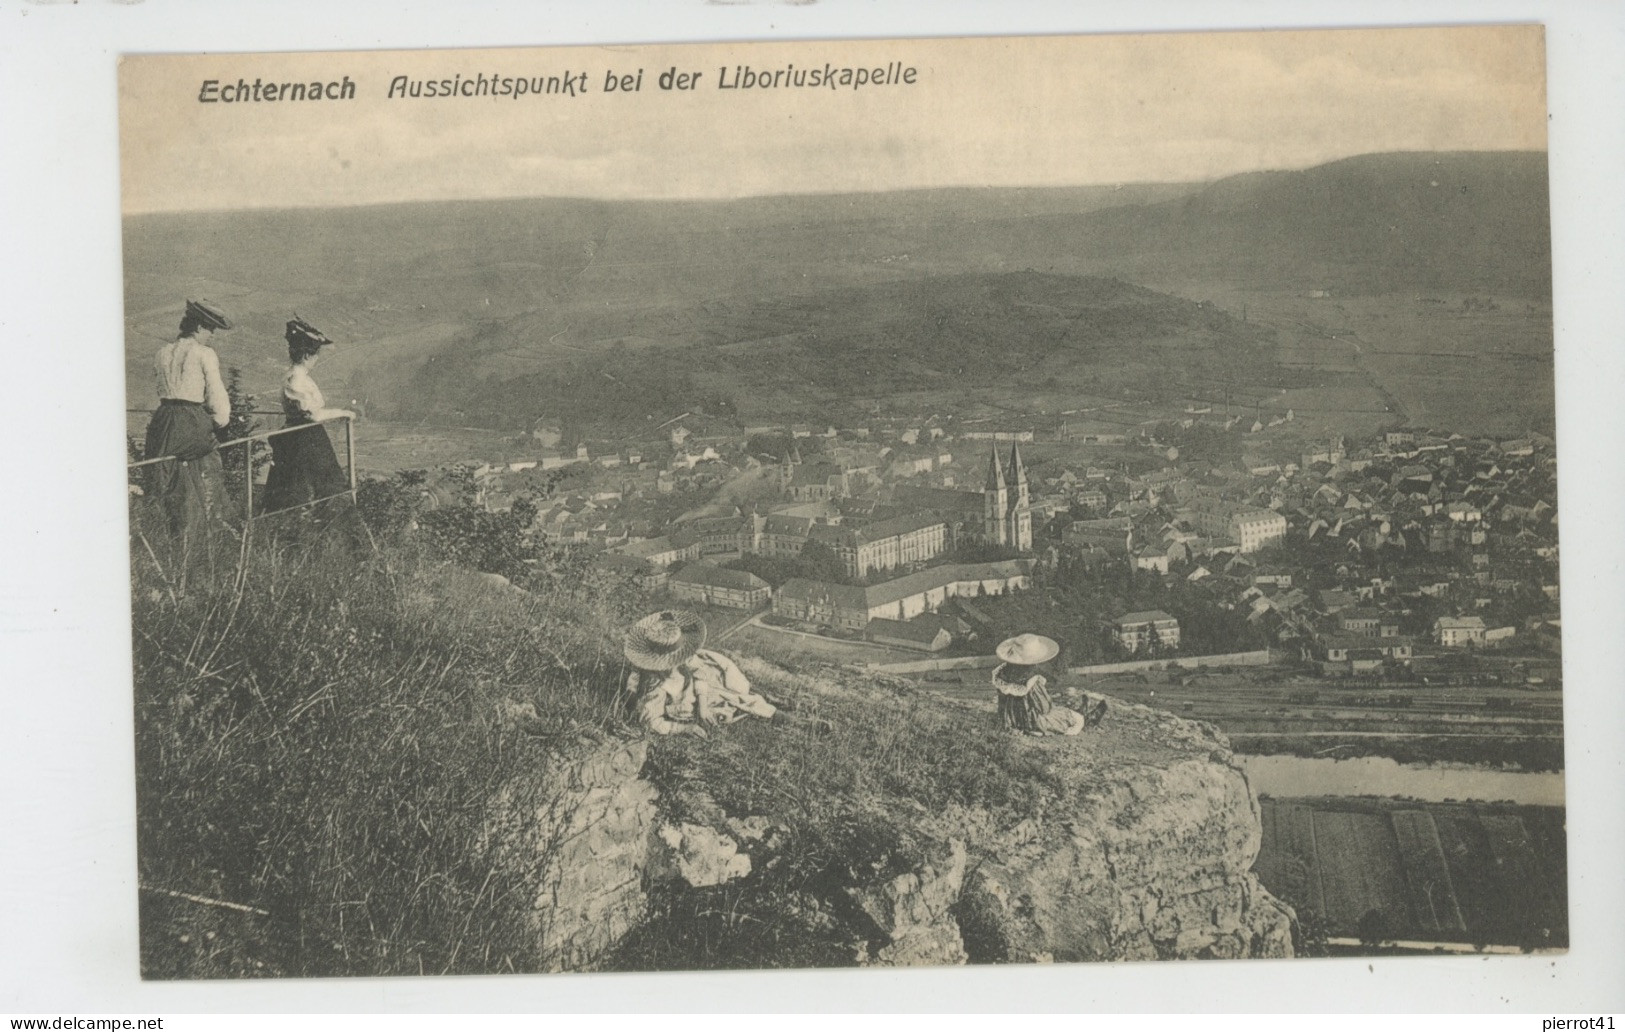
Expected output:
(383, 447)
(1407, 357)
(1472, 873)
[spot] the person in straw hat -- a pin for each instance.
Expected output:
(680, 688)
(304, 467)
(1024, 703)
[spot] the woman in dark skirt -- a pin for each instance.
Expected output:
(303, 465)
(192, 405)
(1023, 691)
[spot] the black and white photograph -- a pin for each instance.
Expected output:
(843, 503)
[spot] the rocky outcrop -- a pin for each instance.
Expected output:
(914, 911)
(699, 856)
(1145, 852)
(1154, 861)
(1151, 860)
(582, 836)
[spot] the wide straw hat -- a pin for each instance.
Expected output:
(661, 641)
(1027, 649)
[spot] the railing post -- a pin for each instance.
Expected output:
(248, 483)
(349, 453)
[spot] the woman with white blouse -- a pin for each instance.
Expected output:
(192, 406)
(304, 467)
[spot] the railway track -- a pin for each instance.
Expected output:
(1311, 707)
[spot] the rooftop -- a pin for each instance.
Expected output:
(1144, 617)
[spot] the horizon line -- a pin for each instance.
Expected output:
(598, 199)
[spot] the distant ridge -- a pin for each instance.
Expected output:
(918, 289)
(1372, 223)
(1472, 221)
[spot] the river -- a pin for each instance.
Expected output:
(1294, 776)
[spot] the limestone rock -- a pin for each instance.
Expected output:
(914, 910)
(581, 830)
(700, 856)
(1153, 861)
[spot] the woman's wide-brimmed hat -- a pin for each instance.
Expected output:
(305, 333)
(661, 641)
(207, 315)
(1028, 649)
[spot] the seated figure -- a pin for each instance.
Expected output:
(679, 687)
(1023, 690)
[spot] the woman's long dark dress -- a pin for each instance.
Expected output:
(192, 488)
(304, 467)
(1025, 706)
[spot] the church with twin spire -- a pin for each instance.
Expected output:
(1007, 515)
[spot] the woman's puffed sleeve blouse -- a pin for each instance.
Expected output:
(302, 400)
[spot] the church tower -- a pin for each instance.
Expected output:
(787, 468)
(995, 501)
(1019, 521)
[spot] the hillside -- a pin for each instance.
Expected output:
(910, 344)
(385, 764)
(1373, 224)
(440, 307)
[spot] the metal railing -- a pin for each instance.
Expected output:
(246, 443)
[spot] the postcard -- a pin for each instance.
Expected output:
(843, 503)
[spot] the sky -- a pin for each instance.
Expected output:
(1034, 111)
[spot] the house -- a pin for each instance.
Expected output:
(1459, 631)
(781, 537)
(1361, 621)
(1094, 498)
(641, 572)
(714, 586)
(922, 634)
(1152, 558)
(1333, 600)
(1143, 630)
(904, 598)
(887, 544)
(818, 481)
(663, 551)
(1250, 527)
(1340, 648)
(721, 535)
(1111, 533)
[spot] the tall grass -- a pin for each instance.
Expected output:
(318, 739)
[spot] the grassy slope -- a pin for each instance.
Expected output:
(318, 736)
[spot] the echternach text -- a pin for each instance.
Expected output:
(212, 92)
